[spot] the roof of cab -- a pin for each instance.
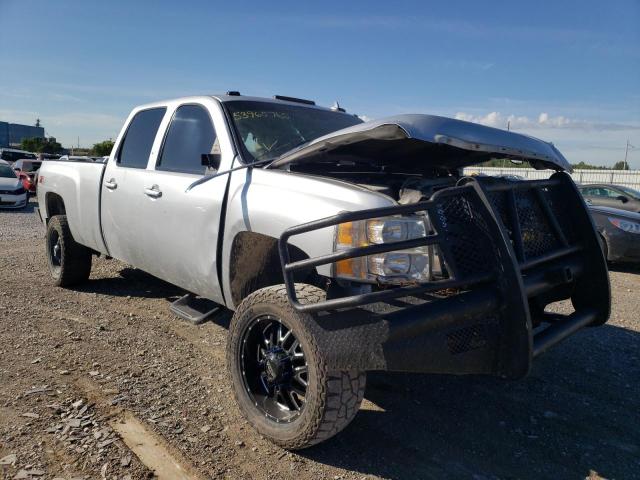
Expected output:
(225, 98)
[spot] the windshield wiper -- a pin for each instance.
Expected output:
(206, 178)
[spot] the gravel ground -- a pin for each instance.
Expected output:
(78, 366)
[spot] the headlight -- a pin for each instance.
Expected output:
(390, 267)
(626, 225)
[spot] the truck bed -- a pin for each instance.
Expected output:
(78, 183)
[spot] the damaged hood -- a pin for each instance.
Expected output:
(415, 141)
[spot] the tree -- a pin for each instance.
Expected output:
(620, 166)
(586, 166)
(504, 163)
(102, 149)
(41, 145)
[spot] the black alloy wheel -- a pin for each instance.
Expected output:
(274, 368)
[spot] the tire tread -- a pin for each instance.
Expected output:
(341, 392)
(76, 263)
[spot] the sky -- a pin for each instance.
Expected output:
(564, 71)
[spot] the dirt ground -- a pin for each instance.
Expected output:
(103, 382)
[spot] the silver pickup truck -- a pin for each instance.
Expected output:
(340, 246)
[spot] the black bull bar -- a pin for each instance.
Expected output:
(509, 248)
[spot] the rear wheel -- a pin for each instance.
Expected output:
(69, 262)
(280, 376)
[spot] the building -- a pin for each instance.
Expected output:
(12, 134)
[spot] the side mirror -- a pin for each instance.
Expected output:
(211, 160)
(622, 198)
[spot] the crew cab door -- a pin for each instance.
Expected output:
(174, 232)
(124, 228)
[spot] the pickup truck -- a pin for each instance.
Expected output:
(339, 246)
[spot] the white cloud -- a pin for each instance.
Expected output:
(468, 65)
(543, 120)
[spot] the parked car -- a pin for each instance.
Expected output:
(48, 156)
(615, 196)
(619, 233)
(12, 193)
(27, 171)
(12, 155)
(340, 246)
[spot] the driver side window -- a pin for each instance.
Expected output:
(190, 135)
(607, 192)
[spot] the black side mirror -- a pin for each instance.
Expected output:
(211, 160)
(622, 198)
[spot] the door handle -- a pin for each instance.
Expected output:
(153, 192)
(111, 184)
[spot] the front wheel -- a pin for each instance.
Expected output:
(69, 262)
(280, 376)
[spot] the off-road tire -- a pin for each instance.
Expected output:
(74, 265)
(333, 397)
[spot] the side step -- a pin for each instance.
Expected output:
(196, 310)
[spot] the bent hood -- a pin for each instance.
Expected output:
(413, 141)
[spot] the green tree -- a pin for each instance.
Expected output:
(102, 149)
(586, 166)
(620, 166)
(41, 145)
(504, 163)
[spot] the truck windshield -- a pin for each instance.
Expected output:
(267, 129)
(6, 172)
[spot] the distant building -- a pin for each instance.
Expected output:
(12, 134)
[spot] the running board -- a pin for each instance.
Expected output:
(196, 310)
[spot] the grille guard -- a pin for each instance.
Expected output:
(510, 249)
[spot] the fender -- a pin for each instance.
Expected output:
(270, 201)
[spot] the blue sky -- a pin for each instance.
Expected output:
(567, 72)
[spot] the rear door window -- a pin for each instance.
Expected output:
(137, 143)
(190, 135)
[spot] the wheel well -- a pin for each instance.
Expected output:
(55, 205)
(255, 264)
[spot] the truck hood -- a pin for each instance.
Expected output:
(414, 141)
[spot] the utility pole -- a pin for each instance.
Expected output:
(626, 152)
(504, 160)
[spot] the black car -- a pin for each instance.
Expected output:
(615, 196)
(619, 233)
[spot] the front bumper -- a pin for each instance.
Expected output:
(510, 249)
(13, 201)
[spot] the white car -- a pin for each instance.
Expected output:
(12, 193)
